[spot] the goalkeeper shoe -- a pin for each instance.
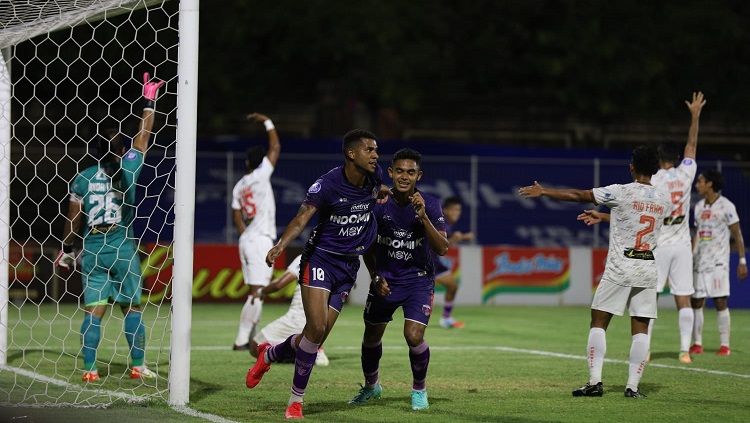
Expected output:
(90, 376)
(141, 372)
(321, 359)
(294, 411)
(419, 400)
(589, 390)
(255, 373)
(629, 393)
(367, 393)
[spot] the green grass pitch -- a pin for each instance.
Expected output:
(510, 364)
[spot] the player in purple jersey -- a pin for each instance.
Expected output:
(410, 228)
(344, 198)
(444, 276)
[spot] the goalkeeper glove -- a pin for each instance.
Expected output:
(66, 257)
(150, 91)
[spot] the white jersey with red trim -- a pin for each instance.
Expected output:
(712, 222)
(253, 196)
(678, 183)
(637, 215)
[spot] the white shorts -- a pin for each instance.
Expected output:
(712, 284)
(253, 252)
(613, 298)
(674, 263)
(282, 328)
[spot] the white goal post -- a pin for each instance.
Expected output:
(53, 104)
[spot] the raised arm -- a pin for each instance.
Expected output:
(292, 231)
(438, 239)
(695, 107)
(740, 243)
(577, 195)
(274, 145)
(150, 92)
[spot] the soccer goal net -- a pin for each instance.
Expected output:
(92, 175)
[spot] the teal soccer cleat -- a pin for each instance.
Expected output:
(419, 400)
(367, 393)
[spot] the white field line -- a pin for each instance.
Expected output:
(514, 350)
(121, 395)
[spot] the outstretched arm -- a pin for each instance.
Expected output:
(274, 145)
(592, 217)
(150, 92)
(577, 195)
(292, 231)
(695, 107)
(737, 235)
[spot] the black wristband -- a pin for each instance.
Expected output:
(67, 248)
(149, 104)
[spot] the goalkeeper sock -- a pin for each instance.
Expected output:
(135, 333)
(90, 335)
(249, 317)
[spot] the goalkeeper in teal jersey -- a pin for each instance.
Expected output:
(103, 201)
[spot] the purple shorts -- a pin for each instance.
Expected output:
(415, 299)
(333, 272)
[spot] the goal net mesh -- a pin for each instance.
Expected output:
(74, 69)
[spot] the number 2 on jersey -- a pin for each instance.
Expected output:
(676, 201)
(650, 222)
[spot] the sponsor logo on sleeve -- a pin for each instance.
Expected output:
(687, 162)
(314, 188)
(131, 155)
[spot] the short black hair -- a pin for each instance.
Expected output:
(254, 157)
(451, 201)
(408, 154)
(645, 160)
(355, 136)
(669, 152)
(715, 177)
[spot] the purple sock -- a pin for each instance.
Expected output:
(284, 350)
(371, 362)
(447, 309)
(303, 365)
(419, 357)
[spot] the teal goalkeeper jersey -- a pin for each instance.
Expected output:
(104, 204)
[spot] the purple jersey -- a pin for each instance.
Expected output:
(402, 250)
(442, 264)
(345, 222)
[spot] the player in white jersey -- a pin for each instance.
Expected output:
(254, 216)
(674, 260)
(715, 220)
(629, 281)
(290, 323)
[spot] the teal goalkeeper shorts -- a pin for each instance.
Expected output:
(111, 273)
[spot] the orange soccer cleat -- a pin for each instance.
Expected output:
(90, 376)
(294, 411)
(255, 373)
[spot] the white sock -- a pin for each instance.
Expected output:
(638, 354)
(295, 398)
(698, 326)
(595, 350)
(686, 327)
(248, 319)
(650, 329)
(722, 318)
